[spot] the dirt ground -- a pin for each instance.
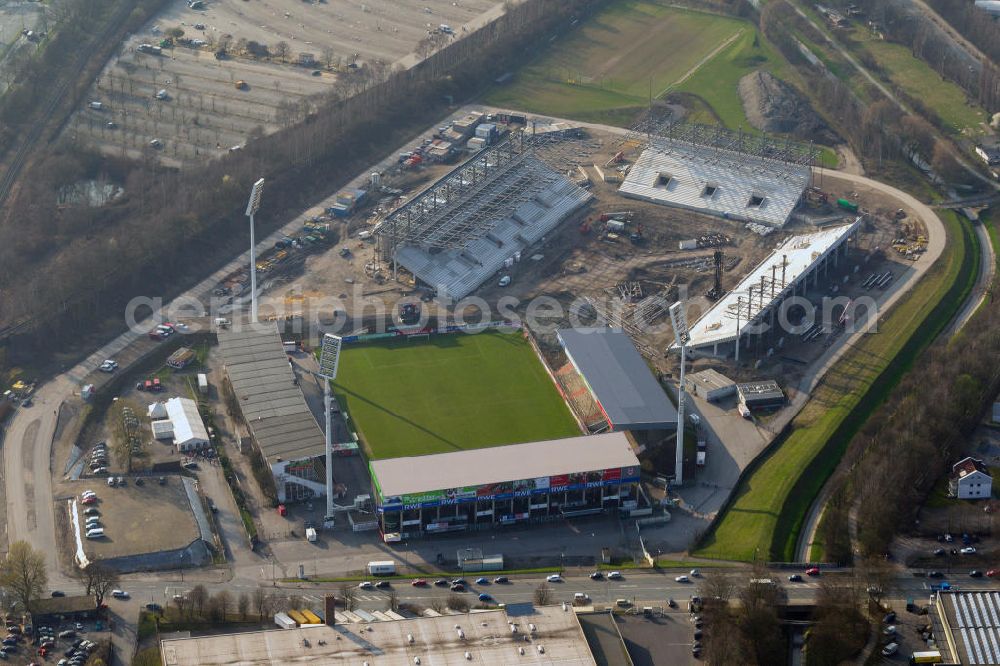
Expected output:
(15, 17)
(205, 114)
(136, 519)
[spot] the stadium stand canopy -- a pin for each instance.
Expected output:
(463, 229)
(718, 172)
(767, 285)
(272, 403)
(625, 389)
(479, 467)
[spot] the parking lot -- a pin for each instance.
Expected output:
(204, 112)
(137, 519)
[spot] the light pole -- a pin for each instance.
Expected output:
(679, 321)
(253, 205)
(329, 360)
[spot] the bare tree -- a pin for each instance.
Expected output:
(457, 602)
(23, 574)
(282, 50)
(198, 596)
(543, 595)
(348, 596)
(243, 605)
(100, 580)
(259, 601)
(328, 56)
(225, 602)
(392, 601)
(182, 604)
(438, 605)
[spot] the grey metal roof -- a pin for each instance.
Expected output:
(273, 405)
(619, 378)
(497, 464)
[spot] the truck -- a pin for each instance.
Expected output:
(691, 244)
(926, 657)
(700, 459)
(382, 568)
(202, 383)
(311, 534)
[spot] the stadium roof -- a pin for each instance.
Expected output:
(497, 464)
(487, 639)
(621, 381)
(186, 421)
(273, 405)
(801, 253)
(717, 182)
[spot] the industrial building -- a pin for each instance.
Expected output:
(715, 171)
(971, 626)
(760, 395)
(750, 309)
(519, 634)
(710, 385)
(618, 377)
(505, 485)
(478, 219)
(275, 411)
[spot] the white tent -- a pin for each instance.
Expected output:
(189, 430)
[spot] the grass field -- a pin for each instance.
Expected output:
(606, 70)
(771, 502)
(450, 393)
(916, 77)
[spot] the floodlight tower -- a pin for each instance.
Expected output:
(253, 205)
(681, 336)
(329, 359)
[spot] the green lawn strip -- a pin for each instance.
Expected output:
(921, 82)
(450, 393)
(767, 510)
(425, 575)
(148, 657)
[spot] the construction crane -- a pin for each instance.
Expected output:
(716, 292)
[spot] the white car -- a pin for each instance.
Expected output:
(365, 585)
(88, 493)
(504, 281)
(554, 578)
(119, 594)
(681, 579)
(615, 575)
(108, 366)
(695, 573)
(968, 550)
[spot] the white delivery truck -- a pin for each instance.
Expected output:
(202, 383)
(285, 622)
(382, 568)
(311, 534)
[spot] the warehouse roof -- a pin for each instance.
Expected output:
(710, 379)
(273, 405)
(622, 383)
(572, 455)
(800, 255)
(487, 638)
(972, 619)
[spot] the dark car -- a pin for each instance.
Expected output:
(939, 552)
(597, 575)
(457, 587)
(697, 634)
(501, 580)
(795, 578)
(58, 593)
(383, 584)
(935, 574)
(156, 608)
(459, 581)
(889, 618)
(441, 582)
(975, 573)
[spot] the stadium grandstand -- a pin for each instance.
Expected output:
(478, 218)
(275, 410)
(506, 485)
(787, 271)
(716, 171)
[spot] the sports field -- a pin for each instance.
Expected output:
(449, 393)
(606, 70)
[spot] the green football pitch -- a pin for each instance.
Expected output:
(449, 393)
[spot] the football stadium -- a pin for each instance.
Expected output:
(465, 430)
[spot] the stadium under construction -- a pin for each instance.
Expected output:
(478, 218)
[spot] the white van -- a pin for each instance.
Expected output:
(890, 649)
(96, 105)
(96, 533)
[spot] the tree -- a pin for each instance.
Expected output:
(214, 608)
(182, 604)
(543, 595)
(328, 56)
(225, 602)
(198, 596)
(259, 601)
(100, 580)
(282, 50)
(175, 32)
(392, 601)
(457, 602)
(243, 605)
(348, 596)
(23, 574)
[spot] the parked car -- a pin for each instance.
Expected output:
(457, 587)
(975, 573)
(795, 578)
(485, 597)
(482, 580)
(597, 575)
(119, 594)
(418, 582)
(365, 585)
(501, 580)
(695, 573)
(441, 582)
(615, 575)
(812, 571)
(554, 578)
(968, 550)
(890, 649)
(682, 579)
(992, 572)
(935, 574)
(889, 618)
(383, 584)
(108, 366)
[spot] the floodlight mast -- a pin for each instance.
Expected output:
(329, 361)
(678, 320)
(253, 205)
